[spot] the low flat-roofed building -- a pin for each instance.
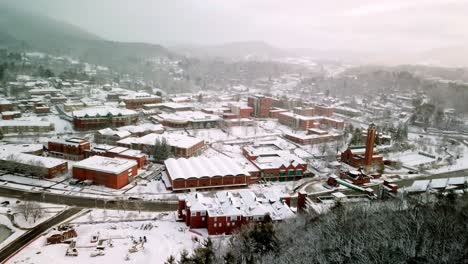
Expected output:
(118, 152)
(181, 145)
(143, 129)
(205, 173)
(311, 139)
(110, 136)
(10, 115)
(175, 107)
(25, 126)
(110, 172)
(137, 100)
(34, 149)
(191, 119)
(103, 116)
(31, 164)
(71, 149)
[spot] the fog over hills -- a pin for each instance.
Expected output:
(362, 31)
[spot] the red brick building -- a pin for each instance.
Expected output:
(205, 173)
(323, 110)
(71, 149)
(137, 100)
(5, 105)
(261, 105)
(301, 122)
(102, 117)
(227, 211)
(274, 113)
(304, 111)
(111, 172)
(241, 111)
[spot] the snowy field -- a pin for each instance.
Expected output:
(164, 237)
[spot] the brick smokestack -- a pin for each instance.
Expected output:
(369, 146)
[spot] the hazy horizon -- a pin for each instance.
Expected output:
(358, 26)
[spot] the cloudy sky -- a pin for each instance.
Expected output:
(358, 25)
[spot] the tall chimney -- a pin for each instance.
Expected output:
(369, 146)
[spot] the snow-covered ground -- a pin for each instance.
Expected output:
(164, 237)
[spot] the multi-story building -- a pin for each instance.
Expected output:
(241, 110)
(101, 117)
(301, 122)
(71, 149)
(324, 110)
(137, 100)
(261, 105)
(205, 173)
(304, 111)
(227, 211)
(111, 172)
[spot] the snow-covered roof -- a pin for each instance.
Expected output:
(173, 140)
(197, 167)
(105, 164)
(117, 133)
(438, 183)
(243, 203)
(26, 123)
(419, 186)
(188, 116)
(29, 159)
(23, 148)
(142, 128)
(456, 181)
(103, 111)
(139, 95)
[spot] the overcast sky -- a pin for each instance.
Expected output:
(359, 25)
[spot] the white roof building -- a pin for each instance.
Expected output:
(197, 167)
(103, 111)
(105, 164)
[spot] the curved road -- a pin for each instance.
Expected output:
(22, 241)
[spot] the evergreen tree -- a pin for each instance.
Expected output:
(205, 253)
(170, 260)
(184, 257)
